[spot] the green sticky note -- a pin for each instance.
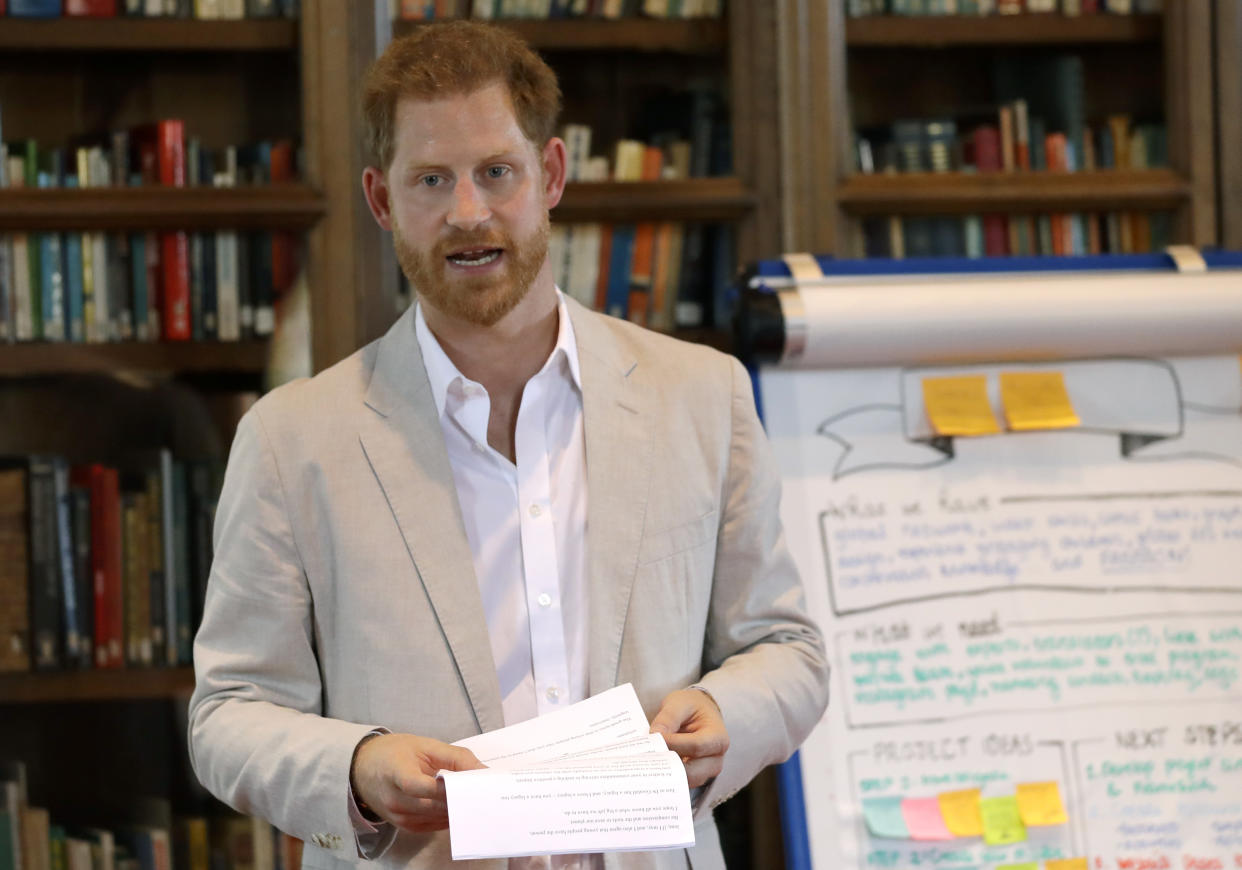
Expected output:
(1032, 865)
(884, 818)
(1002, 823)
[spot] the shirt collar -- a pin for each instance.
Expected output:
(442, 373)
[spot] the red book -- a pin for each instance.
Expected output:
(88, 8)
(284, 243)
(987, 148)
(995, 235)
(161, 154)
(1090, 7)
(105, 562)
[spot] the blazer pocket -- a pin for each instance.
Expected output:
(669, 542)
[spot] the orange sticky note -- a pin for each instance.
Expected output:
(1039, 803)
(1066, 864)
(1002, 824)
(1037, 400)
(961, 812)
(959, 405)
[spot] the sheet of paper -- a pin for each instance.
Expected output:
(884, 817)
(1039, 803)
(589, 778)
(1037, 400)
(961, 812)
(1002, 823)
(924, 819)
(636, 802)
(602, 720)
(959, 405)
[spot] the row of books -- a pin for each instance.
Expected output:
(176, 285)
(152, 839)
(202, 9)
(98, 287)
(861, 8)
(101, 567)
(1057, 234)
(545, 9)
(1016, 144)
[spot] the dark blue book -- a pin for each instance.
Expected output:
(51, 278)
(138, 287)
(67, 563)
(34, 8)
(46, 607)
(210, 301)
(617, 299)
(74, 293)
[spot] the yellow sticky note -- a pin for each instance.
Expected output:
(959, 405)
(1002, 824)
(961, 812)
(1039, 803)
(1036, 400)
(1029, 865)
(1066, 864)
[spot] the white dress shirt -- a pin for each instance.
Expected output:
(526, 525)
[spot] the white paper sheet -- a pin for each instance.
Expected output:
(589, 778)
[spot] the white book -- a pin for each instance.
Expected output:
(584, 263)
(483, 9)
(23, 324)
(153, 8)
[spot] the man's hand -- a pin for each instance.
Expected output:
(693, 728)
(395, 776)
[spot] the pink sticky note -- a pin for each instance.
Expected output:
(924, 820)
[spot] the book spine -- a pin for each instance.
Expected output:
(45, 589)
(72, 636)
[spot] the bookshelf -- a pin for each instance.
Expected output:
(878, 69)
(1228, 30)
(145, 34)
(92, 686)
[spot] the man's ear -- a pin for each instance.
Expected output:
(375, 188)
(555, 169)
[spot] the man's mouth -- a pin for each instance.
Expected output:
(474, 257)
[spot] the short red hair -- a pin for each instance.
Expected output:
(453, 58)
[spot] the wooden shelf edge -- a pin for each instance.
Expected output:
(695, 199)
(147, 34)
(292, 206)
(91, 685)
(200, 358)
(696, 36)
(895, 31)
(927, 193)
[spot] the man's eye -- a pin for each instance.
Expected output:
(497, 171)
(432, 180)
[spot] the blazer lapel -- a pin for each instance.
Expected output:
(404, 445)
(618, 435)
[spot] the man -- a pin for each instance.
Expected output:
(506, 504)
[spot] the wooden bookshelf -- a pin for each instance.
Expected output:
(108, 685)
(897, 31)
(290, 206)
(146, 34)
(692, 36)
(954, 193)
(694, 199)
(185, 357)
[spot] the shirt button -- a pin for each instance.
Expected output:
(553, 693)
(535, 510)
(545, 600)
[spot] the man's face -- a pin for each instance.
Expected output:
(469, 213)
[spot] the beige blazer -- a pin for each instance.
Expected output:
(343, 596)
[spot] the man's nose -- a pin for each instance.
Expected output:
(468, 209)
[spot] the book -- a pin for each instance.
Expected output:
(14, 567)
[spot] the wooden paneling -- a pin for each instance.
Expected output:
(950, 193)
(951, 31)
(293, 206)
(1228, 30)
(96, 685)
(146, 34)
(1188, 114)
(645, 35)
